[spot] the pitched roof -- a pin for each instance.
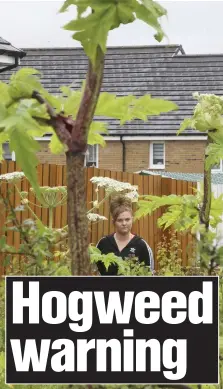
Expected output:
(216, 178)
(162, 71)
(6, 47)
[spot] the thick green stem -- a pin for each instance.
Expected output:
(76, 212)
(206, 206)
(76, 192)
(204, 214)
(51, 217)
(89, 100)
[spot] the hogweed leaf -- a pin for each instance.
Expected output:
(24, 145)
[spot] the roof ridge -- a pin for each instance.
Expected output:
(177, 46)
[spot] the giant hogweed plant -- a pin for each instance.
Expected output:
(43, 249)
(169, 261)
(199, 213)
(27, 110)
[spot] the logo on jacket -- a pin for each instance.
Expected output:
(132, 250)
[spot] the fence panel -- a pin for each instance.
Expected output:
(54, 175)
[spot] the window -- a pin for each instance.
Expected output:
(157, 155)
(91, 156)
(7, 155)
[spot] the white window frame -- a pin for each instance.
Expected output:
(96, 153)
(218, 170)
(151, 165)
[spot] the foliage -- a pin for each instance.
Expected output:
(182, 212)
(28, 111)
(23, 118)
(126, 267)
(170, 261)
(38, 242)
(207, 117)
(92, 28)
(169, 256)
(43, 249)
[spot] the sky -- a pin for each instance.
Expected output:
(196, 25)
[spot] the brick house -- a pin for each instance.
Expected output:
(162, 71)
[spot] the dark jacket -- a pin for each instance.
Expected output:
(137, 247)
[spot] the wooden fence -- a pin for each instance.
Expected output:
(55, 175)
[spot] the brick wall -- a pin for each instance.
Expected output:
(180, 156)
(45, 156)
(137, 155)
(184, 156)
(110, 156)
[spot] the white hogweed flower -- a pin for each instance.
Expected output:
(24, 201)
(112, 185)
(12, 177)
(93, 217)
(133, 196)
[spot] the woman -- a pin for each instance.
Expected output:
(123, 243)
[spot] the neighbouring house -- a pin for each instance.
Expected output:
(9, 56)
(162, 71)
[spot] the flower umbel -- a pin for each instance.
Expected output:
(94, 217)
(112, 185)
(12, 177)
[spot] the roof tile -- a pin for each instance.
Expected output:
(155, 70)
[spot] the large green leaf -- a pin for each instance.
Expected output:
(81, 8)
(94, 136)
(128, 108)
(56, 147)
(149, 15)
(125, 13)
(23, 83)
(3, 112)
(92, 30)
(4, 137)
(19, 116)
(158, 106)
(104, 15)
(187, 124)
(25, 148)
(37, 110)
(4, 93)
(110, 105)
(215, 154)
(72, 102)
(56, 102)
(144, 106)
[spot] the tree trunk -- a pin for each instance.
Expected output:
(76, 211)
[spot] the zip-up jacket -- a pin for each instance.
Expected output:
(136, 247)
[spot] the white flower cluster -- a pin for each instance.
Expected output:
(112, 185)
(94, 217)
(209, 103)
(133, 196)
(12, 177)
(24, 201)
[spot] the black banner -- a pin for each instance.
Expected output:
(92, 330)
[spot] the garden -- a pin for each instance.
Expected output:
(28, 111)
